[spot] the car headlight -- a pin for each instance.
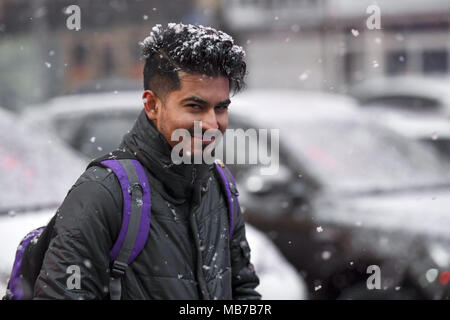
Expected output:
(440, 255)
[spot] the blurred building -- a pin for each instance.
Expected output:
(305, 44)
(40, 57)
(326, 44)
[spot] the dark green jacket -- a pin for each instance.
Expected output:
(188, 254)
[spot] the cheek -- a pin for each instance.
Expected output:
(166, 126)
(170, 121)
(181, 121)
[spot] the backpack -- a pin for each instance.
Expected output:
(133, 233)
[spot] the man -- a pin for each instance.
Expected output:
(188, 75)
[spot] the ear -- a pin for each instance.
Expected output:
(151, 104)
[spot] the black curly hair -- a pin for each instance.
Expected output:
(192, 49)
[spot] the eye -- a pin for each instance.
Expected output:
(195, 106)
(222, 108)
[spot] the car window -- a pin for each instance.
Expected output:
(295, 173)
(242, 151)
(441, 144)
(67, 125)
(404, 102)
(94, 133)
(358, 156)
(102, 134)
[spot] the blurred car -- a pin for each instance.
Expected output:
(279, 280)
(416, 107)
(412, 93)
(89, 123)
(37, 172)
(348, 194)
(110, 84)
(429, 129)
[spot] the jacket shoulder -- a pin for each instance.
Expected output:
(104, 178)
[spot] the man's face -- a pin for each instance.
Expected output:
(200, 98)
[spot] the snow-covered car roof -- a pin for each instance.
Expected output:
(269, 106)
(105, 101)
(260, 104)
(314, 100)
(47, 116)
(434, 89)
(411, 124)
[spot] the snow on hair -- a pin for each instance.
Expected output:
(196, 49)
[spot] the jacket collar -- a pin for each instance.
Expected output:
(152, 149)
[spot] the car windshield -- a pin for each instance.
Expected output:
(100, 134)
(354, 156)
(36, 172)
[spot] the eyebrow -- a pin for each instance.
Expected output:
(201, 101)
(224, 102)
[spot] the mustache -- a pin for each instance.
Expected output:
(209, 133)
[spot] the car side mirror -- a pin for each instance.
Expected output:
(271, 194)
(256, 183)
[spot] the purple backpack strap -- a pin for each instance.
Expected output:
(136, 218)
(15, 283)
(230, 191)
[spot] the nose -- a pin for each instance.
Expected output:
(209, 120)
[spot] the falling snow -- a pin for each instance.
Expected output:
(434, 136)
(326, 255)
(304, 75)
(431, 275)
(87, 263)
(355, 32)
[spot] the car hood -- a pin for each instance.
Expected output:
(424, 212)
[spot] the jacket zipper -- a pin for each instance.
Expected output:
(193, 221)
(200, 276)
